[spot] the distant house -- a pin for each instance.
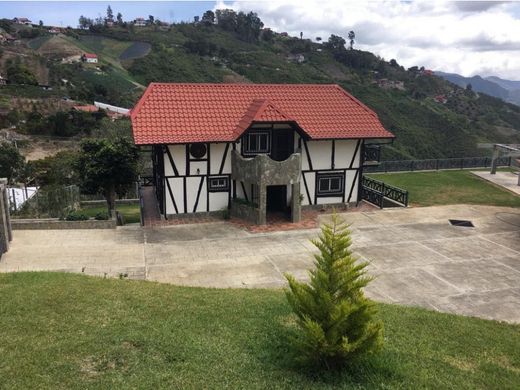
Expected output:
(441, 99)
(22, 21)
(86, 108)
(89, 58)
(390, 84)
(54, 30)
(109, 22)
(2, 80)
(298, 58)
(140, 22)
(284, 34)
(427, 72)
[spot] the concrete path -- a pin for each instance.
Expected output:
(507, 180)
(418, 258)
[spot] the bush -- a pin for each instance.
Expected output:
(335, 319)
(103, 216)
(73, 216)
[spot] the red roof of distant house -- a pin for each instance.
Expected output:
(90, 55)
(86, 108)
(185, 113)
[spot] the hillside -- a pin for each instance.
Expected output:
(431, 117)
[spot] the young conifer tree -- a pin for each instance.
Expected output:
(336, 320)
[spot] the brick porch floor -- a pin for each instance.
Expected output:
(275, 222)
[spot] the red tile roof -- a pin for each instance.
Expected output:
(86, 108)
(185, 113)
(90, 55)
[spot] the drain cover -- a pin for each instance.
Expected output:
(461, 222)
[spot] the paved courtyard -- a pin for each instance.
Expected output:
(418, 258)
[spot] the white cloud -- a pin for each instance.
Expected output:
(463, 37)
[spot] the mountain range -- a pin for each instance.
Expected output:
(507, 90)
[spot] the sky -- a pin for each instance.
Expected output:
(465, 37)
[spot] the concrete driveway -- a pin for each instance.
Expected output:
(418, 258)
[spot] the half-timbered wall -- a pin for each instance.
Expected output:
(330, 158)
(187, 179)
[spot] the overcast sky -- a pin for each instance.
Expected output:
(462, 37)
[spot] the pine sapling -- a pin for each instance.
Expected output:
(335, 318)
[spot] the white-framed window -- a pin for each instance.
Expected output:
(219, 184)
(256, 142)
(330, 184)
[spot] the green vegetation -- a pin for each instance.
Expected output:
(449, 187)
(130, 212)
(336, 320)
(75, 332)
(108, 167)
(12, 162)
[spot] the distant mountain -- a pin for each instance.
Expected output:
(510, 85)
(507, 90)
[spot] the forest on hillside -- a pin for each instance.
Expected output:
(431, 117)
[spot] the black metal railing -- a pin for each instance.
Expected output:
(371, 154)
(436, 164)
(375, 191)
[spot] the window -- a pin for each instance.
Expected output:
(198, 150)
(329, 184)
(219, 184)
(256, 142)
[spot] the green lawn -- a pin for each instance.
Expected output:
(74, 332)
(130, 212)
(449, 187)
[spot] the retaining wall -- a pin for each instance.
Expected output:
(54, 223)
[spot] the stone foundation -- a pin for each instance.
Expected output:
(56, 224)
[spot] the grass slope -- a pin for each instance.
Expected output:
(449, 187)
(75, 332)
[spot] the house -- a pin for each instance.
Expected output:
(54, 30)
(298, 58)
(441, 99)
(2, 80)
(89, 58)
(390, 84)
(140, 22)
(86, 108)
(254, 148)
(22, 21)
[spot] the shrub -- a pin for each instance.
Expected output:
(103, 216)
(335, 318)
(73, 216)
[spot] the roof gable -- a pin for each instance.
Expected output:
(184, 113)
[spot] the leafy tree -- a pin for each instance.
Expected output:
(226, 19)
(40, 23)
(110, 14)
(151, 19)
(57, 170)
(267, 35)
(85, 22)
(351, 38)
(208, 17)
(336, 42)
(11, 162)
(393, 63)
(334, 316)
(318, 39)
(119, 18)
(469, 87)
(108, 167)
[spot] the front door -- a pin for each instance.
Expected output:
(282, 144)
(277, 198)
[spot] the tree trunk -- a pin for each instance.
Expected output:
(110, 196)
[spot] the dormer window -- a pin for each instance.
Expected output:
(256, 142)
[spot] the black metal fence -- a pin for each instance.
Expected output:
(376, 191)
(436, 164)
